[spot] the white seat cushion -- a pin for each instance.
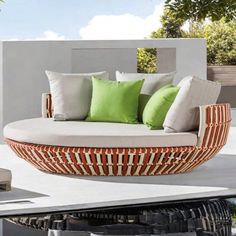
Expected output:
(93, 134)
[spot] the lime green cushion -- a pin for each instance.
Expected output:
(115, 101)
(143, 100)
(158, 105)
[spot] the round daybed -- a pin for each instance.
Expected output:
(93, 148)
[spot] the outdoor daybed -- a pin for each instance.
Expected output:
(75, 137)
(93, 148)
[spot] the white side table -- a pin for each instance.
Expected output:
(5, 180)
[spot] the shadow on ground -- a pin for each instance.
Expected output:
(17, 194)
(219, 171)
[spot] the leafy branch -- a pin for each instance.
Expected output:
(198, 10)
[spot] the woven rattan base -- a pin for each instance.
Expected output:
(112, 161)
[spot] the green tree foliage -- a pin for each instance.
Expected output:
(221, 41)
(198, 10)
(147, 60)
(171, 26)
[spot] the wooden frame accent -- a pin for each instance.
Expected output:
(225, 74)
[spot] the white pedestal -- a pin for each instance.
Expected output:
(5, 180)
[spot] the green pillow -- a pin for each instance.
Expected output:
(115, 101)
(143, 100)
(158, 105)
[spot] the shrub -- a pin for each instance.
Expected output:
(221, 41)
(147, 60)
(220, 36)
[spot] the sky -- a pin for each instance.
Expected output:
(78, 19)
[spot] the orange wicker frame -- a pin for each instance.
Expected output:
(213, 132)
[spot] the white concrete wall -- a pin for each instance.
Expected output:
(22, 66)
(108, 59)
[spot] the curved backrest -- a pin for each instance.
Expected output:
(214, 126)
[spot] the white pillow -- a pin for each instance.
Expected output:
(72, 93)
(183, 114)
(152, 82)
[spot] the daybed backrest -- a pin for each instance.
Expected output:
(214, 125)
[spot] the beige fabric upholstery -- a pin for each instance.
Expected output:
(93, 134)
(152, 82)
(71, 94)
(183, 114)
